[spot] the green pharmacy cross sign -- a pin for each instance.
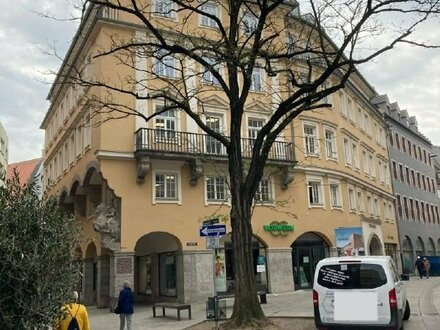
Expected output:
(279, 228)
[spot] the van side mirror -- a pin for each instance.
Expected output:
(404, 277)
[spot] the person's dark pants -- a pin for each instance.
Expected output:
(420, 272)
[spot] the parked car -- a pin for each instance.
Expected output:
(359, 293)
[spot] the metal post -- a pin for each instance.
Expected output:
(215, 290)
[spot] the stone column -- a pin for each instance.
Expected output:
(103, 282)
(89, 297)
(198, 275)
(280, 270)
(121, 269)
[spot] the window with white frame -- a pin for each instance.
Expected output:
(165, 125)
(264, 192)
(361, 118)
(351, 199)
(216, 189)
(355, 154)
(211, 9)
(291, 43)
(347, 151)
(378, 134)
(164, 8)
(372, 165)
(164, 65)
(370, 205)
(381, 175)
(250, 22)
(386, 174)
(55, 169)
(360, 202)
(311, 139)
(66, 156)
(78, 140)
(315, 194)
(166, 186)
(342, 105)
(327, 98)
(60, 163)
(257, 79)
(72, 148)
(350, 113)
(376, 207)
(367, 123)
(330, 143)
(208, 77)
(87, 131)
(390, 212)
(254, 127)
(212, 145)
(365, 162)
(335, 195)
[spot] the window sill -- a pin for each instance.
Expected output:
(167, 201)
(165, 17)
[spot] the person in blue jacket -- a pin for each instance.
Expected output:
(125, 305)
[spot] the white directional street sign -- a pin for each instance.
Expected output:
(213, 230)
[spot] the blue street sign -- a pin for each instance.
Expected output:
(213, 230)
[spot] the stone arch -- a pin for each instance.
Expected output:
(407, 255)
(90, 272)
(226, 257)
(158, 267)
(307, 250)
(375, 247)
(91, 251)
(430, 247)
(420, 246)
(92, 175)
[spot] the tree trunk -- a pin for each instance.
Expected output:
(247, 310)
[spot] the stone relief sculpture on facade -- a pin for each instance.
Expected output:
(107, 224)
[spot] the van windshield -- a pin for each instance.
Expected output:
(352, 276)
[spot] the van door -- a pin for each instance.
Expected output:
(353, 292)
(398, 285)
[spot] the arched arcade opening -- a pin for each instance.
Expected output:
(158, 267)
(307, 250)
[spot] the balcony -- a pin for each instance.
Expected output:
(170, 144)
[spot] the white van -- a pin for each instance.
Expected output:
(359, 293)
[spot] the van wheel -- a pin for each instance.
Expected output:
(407, 311)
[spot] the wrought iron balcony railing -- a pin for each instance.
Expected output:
(172, 143)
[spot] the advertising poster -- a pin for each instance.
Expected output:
(220, 271)
(350, 241)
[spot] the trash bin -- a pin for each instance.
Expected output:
(210, 309)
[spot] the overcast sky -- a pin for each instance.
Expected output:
(408, 75)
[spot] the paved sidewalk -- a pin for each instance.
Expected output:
(422, 293)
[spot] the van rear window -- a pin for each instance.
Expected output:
(352, 276)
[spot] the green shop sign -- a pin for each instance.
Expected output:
(279, 227)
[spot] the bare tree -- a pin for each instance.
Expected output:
(304, 57)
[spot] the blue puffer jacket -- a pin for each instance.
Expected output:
(125, 301)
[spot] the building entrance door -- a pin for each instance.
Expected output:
(307, 251)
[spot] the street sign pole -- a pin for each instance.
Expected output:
(213, 231)
(215, 289)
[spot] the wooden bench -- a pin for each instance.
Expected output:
(171, 305)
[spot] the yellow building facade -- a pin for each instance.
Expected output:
(142, 190)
